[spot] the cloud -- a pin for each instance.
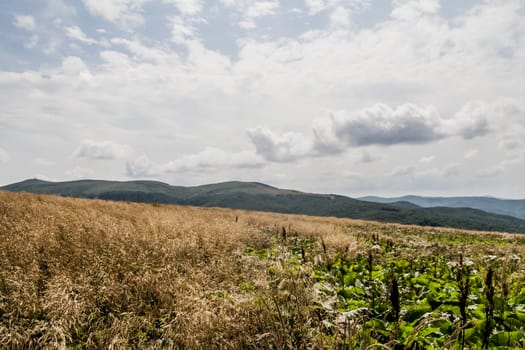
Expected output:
(102, 150)
(340, 17)
(502, 167)
(471, 154)
(182, 29)
(125, 13)
(382, 125)
(279, 148)
(366, 157)
(409, 10)
(25, 22)
(478, 118)
(213, 158)
(182, 98)
(32, 42)
(4, 156)
(512, 143)
(187, 7)
(403, 171)
(316, 6)
(142, 167)
(471, 121)
(427, 160)
(210, 158)
(43, 161)
(251, 10)
(80, 173)
(76, 33)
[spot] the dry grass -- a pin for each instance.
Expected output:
(78, 273)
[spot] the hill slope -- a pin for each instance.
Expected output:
(257, 196)
(511, 207)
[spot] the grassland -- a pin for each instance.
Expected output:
(90, 274)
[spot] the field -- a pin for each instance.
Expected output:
(90, 274)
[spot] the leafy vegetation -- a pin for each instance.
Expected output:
(89, 274)
(257, 196)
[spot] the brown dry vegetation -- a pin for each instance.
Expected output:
(118, 275)
(78, 273)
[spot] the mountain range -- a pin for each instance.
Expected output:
(511, 207)
(262, 197)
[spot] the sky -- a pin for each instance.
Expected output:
(355, 97)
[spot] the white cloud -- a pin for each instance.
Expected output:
(502, 167)
(213, 158)
(43, 162)
(142, 167)
(251, 10)
(182, 29)
(427, 159)
(75, 33)
(208, 159)
(279, 148)
(340, 17)
(471, 154)
(187, 7)
(25, 22)
(167, 98)
(261, 8)
(104, 150)
(4, 156)
(126, 13)
(316, 6)
(79, 173)
(412, 9)
(32, 42)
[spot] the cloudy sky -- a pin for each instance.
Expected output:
(355, 97)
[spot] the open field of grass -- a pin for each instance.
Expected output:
(89, 274)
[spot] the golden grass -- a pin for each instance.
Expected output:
(78, 273)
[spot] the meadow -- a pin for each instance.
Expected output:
(93, 274)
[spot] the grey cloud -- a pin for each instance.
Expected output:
(105, 150)
(366, 157)
(325, 140)
(512, 143)
(404, 171)
(501, 167)
(279, 148)
(383, 125)
(471, 121)
(478, 118)
(141, 167)
(477, 128)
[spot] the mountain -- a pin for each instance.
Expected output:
(258, 196)
(510, 207)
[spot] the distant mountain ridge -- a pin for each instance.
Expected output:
(510, 207)
(262, 197)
